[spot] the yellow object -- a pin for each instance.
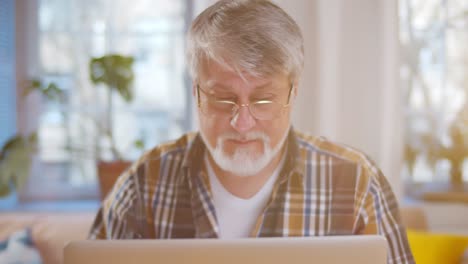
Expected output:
(433, 248)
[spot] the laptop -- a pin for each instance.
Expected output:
(365, 249)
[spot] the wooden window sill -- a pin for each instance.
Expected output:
(449, 197)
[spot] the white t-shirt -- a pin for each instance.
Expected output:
(236, 216)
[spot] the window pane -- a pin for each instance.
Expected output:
(70, 34)
(434, 72)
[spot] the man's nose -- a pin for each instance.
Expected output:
(243, 121)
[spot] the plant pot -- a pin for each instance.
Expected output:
(108, 172)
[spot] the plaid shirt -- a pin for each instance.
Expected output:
(323, 189)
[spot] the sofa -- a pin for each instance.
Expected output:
(50, 232)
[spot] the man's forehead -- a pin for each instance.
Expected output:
(212, 73)
(218, 74)
(264, 87)
(214, 76)
(258, 84)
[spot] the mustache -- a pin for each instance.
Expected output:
(249, 136)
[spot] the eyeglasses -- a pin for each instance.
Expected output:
(261, 109)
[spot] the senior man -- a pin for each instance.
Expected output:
(247, 173)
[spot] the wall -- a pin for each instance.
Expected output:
(447, 218)
(350, 92)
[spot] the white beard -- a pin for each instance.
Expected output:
(244, 162)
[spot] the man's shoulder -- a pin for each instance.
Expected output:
(145, 174)
(337, 152)
(346, 167)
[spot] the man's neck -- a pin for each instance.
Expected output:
(246, 187)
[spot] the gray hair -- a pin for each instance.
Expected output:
(255, 37)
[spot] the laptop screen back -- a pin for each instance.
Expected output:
(331, 250)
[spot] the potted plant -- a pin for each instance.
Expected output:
(16, 154)
(116, 73)
(456, 152)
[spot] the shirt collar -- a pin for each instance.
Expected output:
(293, 163)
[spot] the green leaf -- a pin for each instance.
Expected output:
(32, 139)
(17, 165)
(14, 142)
(139, 144)
(53, 92)
(15, 161)
(116, 72)
(33, 85)
(4, 190)
(5, 179)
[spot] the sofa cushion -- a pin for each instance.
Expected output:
(19, 248)
(433, 248)
(13, 222)
(53, 232)
(50, 231)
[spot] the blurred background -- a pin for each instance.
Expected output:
(387, 77)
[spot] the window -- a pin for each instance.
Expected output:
(69, 34)
(434, 71)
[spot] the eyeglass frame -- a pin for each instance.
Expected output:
(239, 106)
